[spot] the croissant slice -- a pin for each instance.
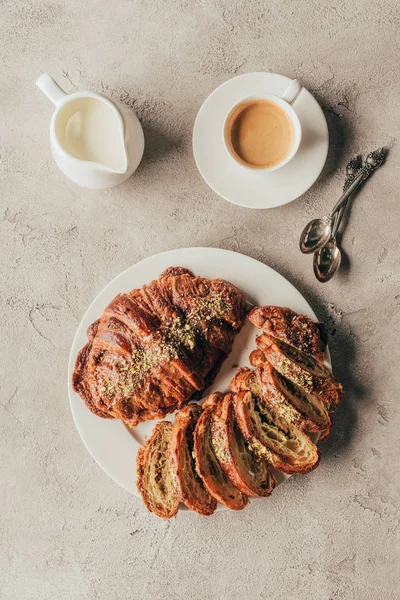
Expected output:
(155, 477)
(214, 477)
(274, 438)
(305, 410)
(189, 486)
(293, 403)
(301, 369)
(250, 474)
(257, 358)
(297, 330)
(245, 380)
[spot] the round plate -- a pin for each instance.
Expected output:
(113, 445)
(242, 186)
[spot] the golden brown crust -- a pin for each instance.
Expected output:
(212, 400)
(250, 474)
(214, 477)
(303, 409)
(174, 271)
(155, 476)
(189, 486)
(301, 369)
(245, 379)
(287, 448)
(257, 358)
(154, 347)
(223, 450)
(79, 384)
(294, 329)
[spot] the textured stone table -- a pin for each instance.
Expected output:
(66, 530)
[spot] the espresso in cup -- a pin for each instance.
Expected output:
(259, 134)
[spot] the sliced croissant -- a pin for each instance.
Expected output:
(273, 437)
(155, 477)
(257, 358)
(250, 474)
(214, 477)
(305, 410)
(301, 369)
(294, 329)
(189, 486)
(245, 380)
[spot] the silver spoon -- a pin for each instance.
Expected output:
(319, 231)
(353, 169)
(328, 258)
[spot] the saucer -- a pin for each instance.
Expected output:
(242, 186)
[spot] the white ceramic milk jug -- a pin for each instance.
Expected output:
(96, 142)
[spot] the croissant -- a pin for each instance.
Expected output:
(208, 467)
(155, 476)
(294, 329)
(189, 487)
(273, 437)
(154, 347)
(305, 410)
(249, 473)
(299, 368)
(223, 450)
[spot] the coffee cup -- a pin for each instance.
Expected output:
(263, 132)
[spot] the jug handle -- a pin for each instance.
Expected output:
(50, 88)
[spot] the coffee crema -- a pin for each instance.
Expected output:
(259, 133)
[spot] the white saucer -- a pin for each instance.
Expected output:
(253, 189)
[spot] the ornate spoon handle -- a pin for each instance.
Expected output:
(372, 162)
(353, 169)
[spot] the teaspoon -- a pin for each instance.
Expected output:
(328, 258)
(319, 231)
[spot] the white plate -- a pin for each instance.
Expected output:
(114, 446)
(254, 189)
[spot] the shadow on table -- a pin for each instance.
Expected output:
(159, 144)
(342, 346)
(341, 137)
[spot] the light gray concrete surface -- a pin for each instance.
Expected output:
(69, 532)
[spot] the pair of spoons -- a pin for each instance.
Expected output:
(319, 236)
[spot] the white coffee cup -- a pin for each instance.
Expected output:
(285, 102)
